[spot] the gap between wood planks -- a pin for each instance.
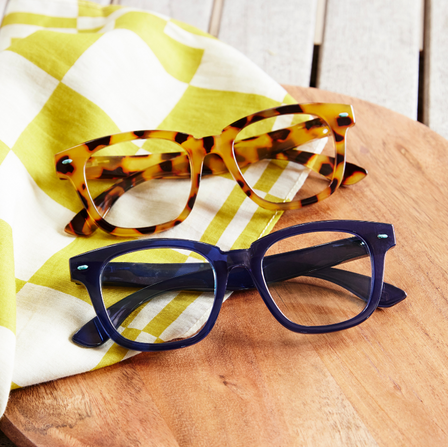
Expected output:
(421, 63)
(215, 20)
(423, 75)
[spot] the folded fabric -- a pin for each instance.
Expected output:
(71, 71)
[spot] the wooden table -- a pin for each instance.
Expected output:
(253, 383)
(390, 53)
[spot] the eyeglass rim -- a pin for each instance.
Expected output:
(79, 155)
(98, 259)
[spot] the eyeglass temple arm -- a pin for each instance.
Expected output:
(312, 261)
(199, 277)
(250, 150)
(176, 165)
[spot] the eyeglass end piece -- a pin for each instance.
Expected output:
(353, 174)
(391, 295)
(81, 225)
(91, 335)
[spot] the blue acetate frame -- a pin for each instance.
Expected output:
(88, 269)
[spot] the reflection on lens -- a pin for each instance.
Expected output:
(292, 150)
(320, 278)
(139, 183)
(158, 295)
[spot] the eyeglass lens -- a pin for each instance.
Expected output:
(146, 190)
(285, 145)
(163, 294)
(320, 278)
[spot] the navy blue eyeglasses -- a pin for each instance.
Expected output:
(154, 295)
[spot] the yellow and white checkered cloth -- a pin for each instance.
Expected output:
(71, 71)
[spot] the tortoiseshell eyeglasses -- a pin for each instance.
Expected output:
(117, 177)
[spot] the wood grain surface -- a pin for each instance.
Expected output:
(390, 53)
(436, 66)
(253, 383)
(371, 50)
(194, 12)
(256, 32)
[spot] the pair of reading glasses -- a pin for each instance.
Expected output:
(154, 295)
(143, 182)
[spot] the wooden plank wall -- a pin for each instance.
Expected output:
(194, 12)
(436, 66)
(277, 36)
(370, 50)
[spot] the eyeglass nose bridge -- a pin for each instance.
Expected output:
(238, 258)
(240, 275)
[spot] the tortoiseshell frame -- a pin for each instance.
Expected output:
(73, 163)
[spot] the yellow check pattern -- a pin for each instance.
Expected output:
(71, 71)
